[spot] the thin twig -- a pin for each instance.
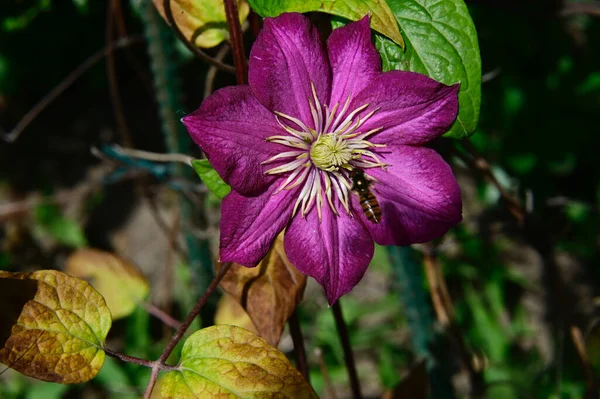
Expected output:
(348, 354)
(62, 86)
(161, 315)
(237, 41)
(195, 50)
(209, 81)
(325, 373)
(138, 361)
(480, 163)
(111, 71)
(184, 326)
(299, 348)
(154, 156)
(433, 278)
(579, 343)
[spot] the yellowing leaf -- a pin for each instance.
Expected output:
(121, 283)
(230, 362)
(60, 329)
(202, 22)
(229, 311)
(268, 292)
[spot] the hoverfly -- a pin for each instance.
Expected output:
(367, 199)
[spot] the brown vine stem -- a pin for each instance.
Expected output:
(183, 328)
(161, 315)
(478, 162)
(195, 50)
(111, 71)
(348, 354)
(65, 84)
(299, 348)
(237, 42)
(137, 360)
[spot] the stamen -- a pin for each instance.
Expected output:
(321, 157)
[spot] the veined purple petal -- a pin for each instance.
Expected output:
(335, 251)
(250, 224)
(354, 60)
(418, 195)
(412, 108)
(231, 127)
(287, 57)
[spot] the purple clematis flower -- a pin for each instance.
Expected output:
(291, 143)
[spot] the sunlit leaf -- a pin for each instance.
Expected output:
(229, 311)
(52, 326)
(203, 22)
(382, 18)
(211, 178)
(120, 282)
(228, 361)
(269, 292)
(441, 42)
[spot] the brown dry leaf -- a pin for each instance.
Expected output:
(202, 22)
(230, 312)
(120, 282)
(230, 362)
(269, 292)
(53, 326)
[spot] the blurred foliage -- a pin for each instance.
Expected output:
(538, 130)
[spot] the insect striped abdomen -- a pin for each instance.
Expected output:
(370, 207)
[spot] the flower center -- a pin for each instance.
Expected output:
(319, 160)
(330, 152)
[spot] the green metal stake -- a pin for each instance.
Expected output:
(408, 274)
(167, 87)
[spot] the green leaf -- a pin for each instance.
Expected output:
(52, 326)
(228, 361)
(382, 18)
(211, 178)
(441, 42)
(64, 230)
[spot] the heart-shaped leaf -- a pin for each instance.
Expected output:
(228, 361)
(202, 22)
(441, 42)
(269, 292)
(120, 282)
(382, 18)
(52, 326)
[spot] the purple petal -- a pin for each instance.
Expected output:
(411, 108)
(288, 55)
(250, 224)
(418, 195)
(354, 60)
(231, 126)
(335, 251)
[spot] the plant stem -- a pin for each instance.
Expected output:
(348, 354)
(299, 348)
(237, 42)
(65, 84)
(137, 360)
(161, 315)
(184, 326)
